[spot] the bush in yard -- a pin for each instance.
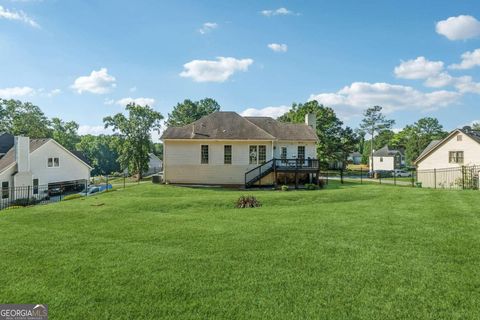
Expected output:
(284, 188)
(310, 186)
(321, 184)
(72, 196)
(247, 202)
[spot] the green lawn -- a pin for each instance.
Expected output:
(164, 252)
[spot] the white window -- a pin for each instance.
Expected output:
(227, 154)
(381, 159)
(5, 190)
(459, 137)
(283, 153)
(455, 157)
(301, 152)
(53, 162)
(257, 154)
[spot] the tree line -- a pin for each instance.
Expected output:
(128, 147)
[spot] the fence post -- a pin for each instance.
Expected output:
(435, 178)
(413, 179)
(61, 191)
(341, 176)
(361, 175)
(106, 183)
(380, 177)
(394, 178)
(463, 177)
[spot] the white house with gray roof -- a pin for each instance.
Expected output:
(228, 149)
(28, 162)
(386, 159)
(443, 163)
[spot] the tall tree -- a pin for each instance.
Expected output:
(375, 122)
(335, 142)
(189, 111)
(417, 136)
(101, 151)
(135, 132)
(65, 133)
(24, 119)
(476, 126)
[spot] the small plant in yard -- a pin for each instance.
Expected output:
(284, 188)
(247, 202)
(310, 186)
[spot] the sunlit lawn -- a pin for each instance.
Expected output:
(155, 252)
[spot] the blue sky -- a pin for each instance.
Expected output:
(81, 60)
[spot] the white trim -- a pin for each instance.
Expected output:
(65, 149)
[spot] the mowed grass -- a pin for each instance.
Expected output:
(165, 252)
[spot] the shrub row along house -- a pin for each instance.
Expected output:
(227, 149)
(29, 163)
(451, 162)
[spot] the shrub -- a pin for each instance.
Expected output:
(13, 207)
(72, 196)
(247, 202)
(321, 184)
(284, 188)
(310, 186)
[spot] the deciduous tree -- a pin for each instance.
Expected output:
(189, 111)
(135, 130)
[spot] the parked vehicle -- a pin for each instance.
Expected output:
(55, 191)
(95, 189)
(401, 173)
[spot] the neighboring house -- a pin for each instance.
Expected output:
(155, 165)
(355, 158)
(386, 159)
(38, 162)
(226, 148)
(441, 163)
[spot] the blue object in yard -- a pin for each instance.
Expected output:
(105, 187)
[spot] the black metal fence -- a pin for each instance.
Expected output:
(400, 177)
(460, 178)
(42, 194)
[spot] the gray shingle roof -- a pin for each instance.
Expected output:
(386, 152)
(430, 146)
(230, 125)
(9, 157)
(285, 131)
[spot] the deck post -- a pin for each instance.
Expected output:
(274, 173)
(296, 179)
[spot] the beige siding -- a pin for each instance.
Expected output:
(439, 158)
(292, 149)
(182, 161)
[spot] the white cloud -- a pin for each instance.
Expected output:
(17, 16)
(420, 68)
(459, 28)
(214, 70)
(470, 59)
(207, 27)
(140, 101)
(278, 47)
(466, 84)
(273, 112)
(98, 82)
(108, 101)
(93, 130)
(16, 92)
(360, 95)
(277, 12)
(53, 93)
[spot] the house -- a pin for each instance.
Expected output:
(32, 163)
(228, 149)
(386, 159)
(460, 147)
(437, 163)
(155, 165)
(355, 158)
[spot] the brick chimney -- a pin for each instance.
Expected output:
(311, 120)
